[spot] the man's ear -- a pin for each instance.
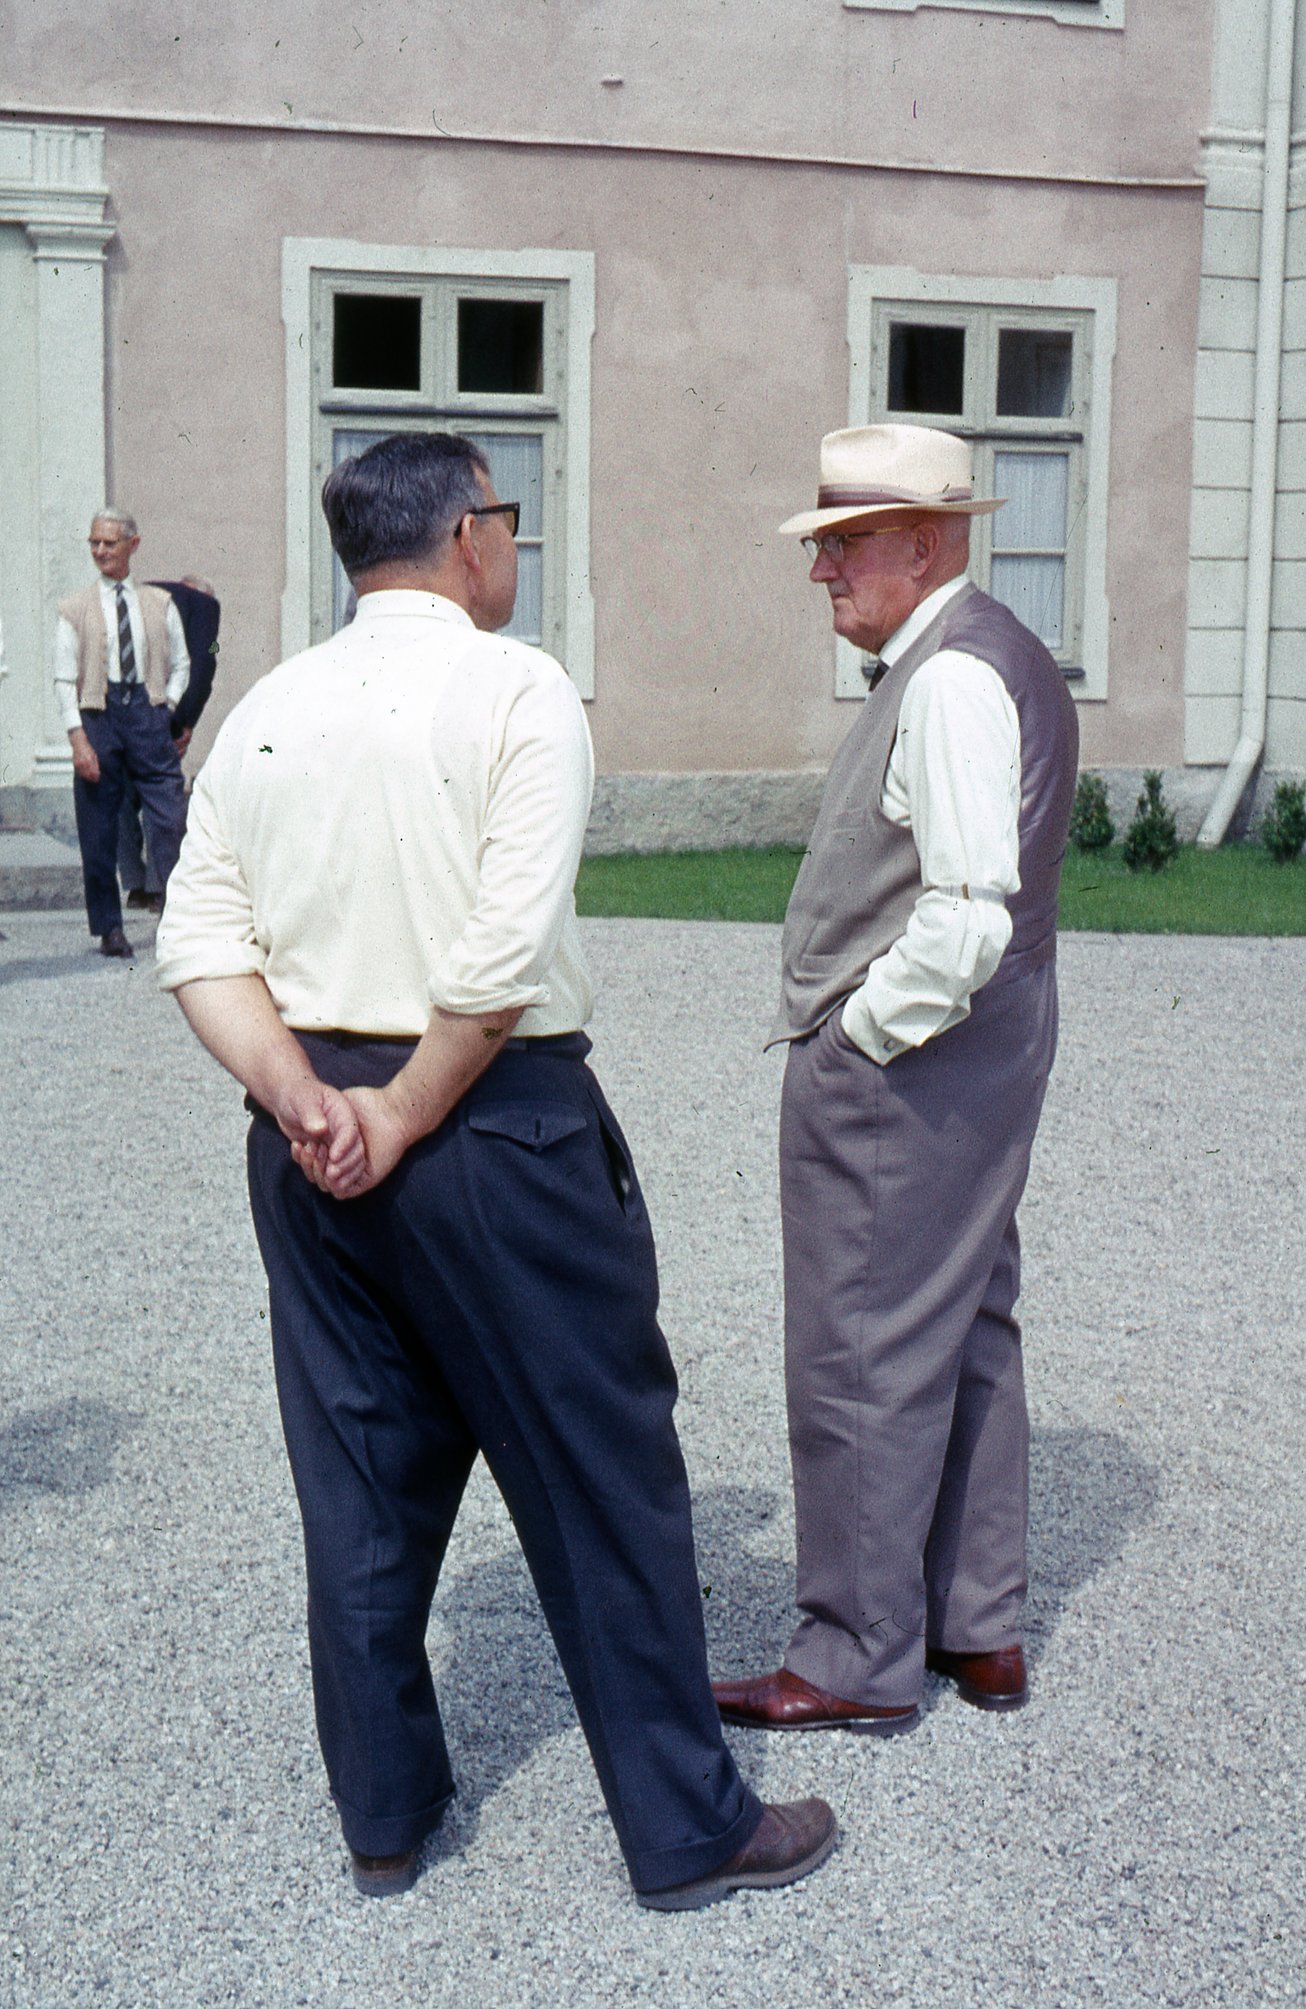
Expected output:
(925, 545)
(465, 543)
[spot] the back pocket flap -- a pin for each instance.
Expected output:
(535, 1124)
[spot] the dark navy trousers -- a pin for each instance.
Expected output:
(132, 740)
(498, 1293)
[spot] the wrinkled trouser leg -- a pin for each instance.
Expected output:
(899, 1188)
(505, 1281)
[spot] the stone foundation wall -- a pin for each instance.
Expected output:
(708, 812)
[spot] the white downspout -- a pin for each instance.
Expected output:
(1265, 424)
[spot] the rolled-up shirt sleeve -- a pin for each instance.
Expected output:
(65, 673)
(538, 803)
(954, 780)
(178, 657)
(207, 929)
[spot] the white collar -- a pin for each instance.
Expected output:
(920, 617)
(394, 601)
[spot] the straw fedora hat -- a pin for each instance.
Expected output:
(866, 470)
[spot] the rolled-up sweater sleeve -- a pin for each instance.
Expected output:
(537, 808)
(207, 929)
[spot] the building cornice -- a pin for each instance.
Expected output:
(352, 129)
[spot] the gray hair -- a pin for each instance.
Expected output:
(125, 522)
(402, 498)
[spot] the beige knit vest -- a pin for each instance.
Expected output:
(85, 615)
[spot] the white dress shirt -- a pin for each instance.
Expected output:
(65, 650)
(953, 780)
(389, 822)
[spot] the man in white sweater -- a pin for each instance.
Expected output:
(372, 926)
(120, 669)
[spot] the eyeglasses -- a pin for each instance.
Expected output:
(832, 544)
(512, 510)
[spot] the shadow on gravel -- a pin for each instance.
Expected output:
(1088, 1492)
(66, 1448)
(25, 969)
(502, 1692)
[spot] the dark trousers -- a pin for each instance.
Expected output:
(498, 1294)
(136, 871)
(131, 738)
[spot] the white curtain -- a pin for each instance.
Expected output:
(517, 473)
(1029, 541)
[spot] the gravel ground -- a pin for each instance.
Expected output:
(1131, 1837)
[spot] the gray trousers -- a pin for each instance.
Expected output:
(907, 1422)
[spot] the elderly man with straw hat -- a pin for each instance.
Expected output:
(919, 1005)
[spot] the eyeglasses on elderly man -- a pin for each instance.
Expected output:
(831, 545)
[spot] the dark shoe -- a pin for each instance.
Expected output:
(789, 1843)
(985, 1680)
(784, 1701)
(384, 1876)
(137, 897)
(115, 943)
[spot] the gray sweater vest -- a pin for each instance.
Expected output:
(861, 876)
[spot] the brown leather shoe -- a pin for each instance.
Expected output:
(791, 1841)
(115, 943)
(384, 1876)
(784, 1701)
(985, 1680)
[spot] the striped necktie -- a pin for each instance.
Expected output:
(126, 646)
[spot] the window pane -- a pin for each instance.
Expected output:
(376, 343)
(527, 622)
(927, 368)
(1035, 485)
(1033, 373)
(501, 346)
(516, 474)
(1035, 591)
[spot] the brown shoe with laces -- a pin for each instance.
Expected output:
(790, 1842)
(784, 1701)
(985, 1680)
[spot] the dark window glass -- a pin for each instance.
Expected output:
(927, 368)
(376, 343)
(1033, 374)
(501, 346)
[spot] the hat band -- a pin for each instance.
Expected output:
(829, 497)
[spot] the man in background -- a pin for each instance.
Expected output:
(120, 669)
(200, 613)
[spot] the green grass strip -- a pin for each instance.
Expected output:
(1235, 891)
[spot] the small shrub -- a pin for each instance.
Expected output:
(1151, 841)
(1283, 826)
(1091, 828)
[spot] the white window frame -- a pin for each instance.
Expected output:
(1073, 13)
(871, 287)
(306, 259)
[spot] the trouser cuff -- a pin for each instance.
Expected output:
(389, 1834)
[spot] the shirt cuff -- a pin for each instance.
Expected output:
(856, 1020)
